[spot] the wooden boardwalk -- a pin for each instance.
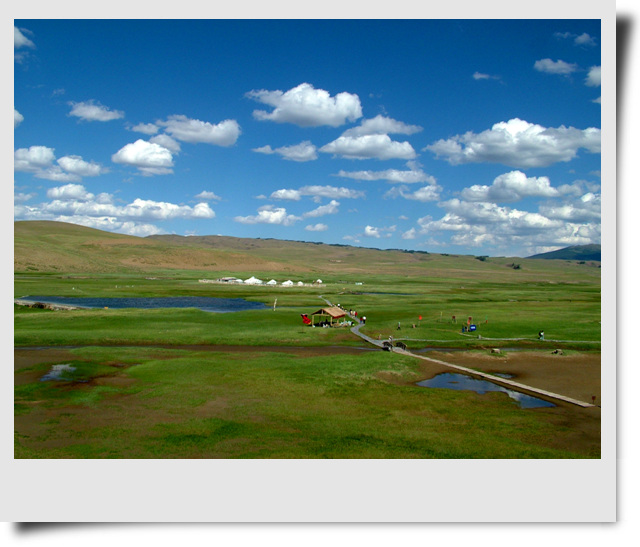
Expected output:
(495, 379)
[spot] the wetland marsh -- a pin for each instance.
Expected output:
(259, 383)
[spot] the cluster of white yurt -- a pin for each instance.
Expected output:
(255, 281)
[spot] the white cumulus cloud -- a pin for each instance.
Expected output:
(317, 192)
(287, 193)
(22, 197)
(371, 231)
(511, 186)
(369, 146)
(307, 106)
(167, 142)
(424, 194)
(149, 158)
(331, 192)
(39, 161)
(519, 144)
(491, 214)
(92, 111)
(316, 227)
(146, 128)
(476, 224)
(594, 77)
(587, 208)
(73, 203)
(555, 67)
(378, 232)
(33, 159)
(20, 40)
(189, 130)
(70, 192)
(17, 118)
(330, 208)
(21, 44)
(75, 165)
(409, 234)
(583, 39)
(305, 151)
(205, 194)
(381, 125)
(268, 214)
(160, 210)
(414, 174)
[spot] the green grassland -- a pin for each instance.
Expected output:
(568, 312)
(136, 393)
(185, 404)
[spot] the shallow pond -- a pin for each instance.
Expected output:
(57, 372)
(209, 304)
(450, 380)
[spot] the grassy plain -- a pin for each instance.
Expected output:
(568, 312)
(159, 403)
(259, 384)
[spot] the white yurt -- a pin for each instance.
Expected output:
(272, 282)
(253, 281)
(287, 283)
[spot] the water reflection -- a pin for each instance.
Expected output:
(450, 380)
(57, 372)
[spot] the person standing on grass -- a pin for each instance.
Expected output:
(364, 319)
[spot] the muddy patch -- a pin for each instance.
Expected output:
(575, 375)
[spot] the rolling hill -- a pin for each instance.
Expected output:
(57, 247)
(576, 252)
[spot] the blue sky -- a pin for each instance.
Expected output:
(449, 136)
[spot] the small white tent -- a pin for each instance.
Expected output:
(272, 282)
(287, 283)
(253, 281)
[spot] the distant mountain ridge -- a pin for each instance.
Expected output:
(575, 252)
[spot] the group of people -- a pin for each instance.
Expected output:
(362, 319)
(354, 314)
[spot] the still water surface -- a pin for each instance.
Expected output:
(450, 380)
(210, 304)
(57, 372)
